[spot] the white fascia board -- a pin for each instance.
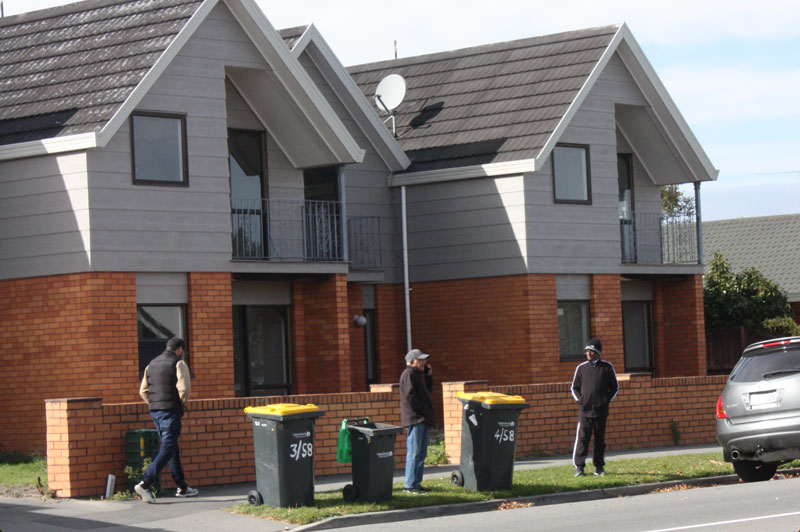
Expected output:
(295, 79)
(147, 82)
(464, 172)
(393, 156)
(555, 136)
(33, 148)
(661, 91)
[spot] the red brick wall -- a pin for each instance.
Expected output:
(679, 323)
(211, 334)
(391, 333)
(640, 417)
(86, 439)
(65, 335)
(605, 307)
(322, 356)
(356, 307)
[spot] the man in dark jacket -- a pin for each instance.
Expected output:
(166, 387)
(416, 413)
(594, 387)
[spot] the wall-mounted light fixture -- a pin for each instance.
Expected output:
(359, 320)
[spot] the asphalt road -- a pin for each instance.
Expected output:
(762, 506)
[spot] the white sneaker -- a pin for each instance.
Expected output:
(144, 493)
(187, 492)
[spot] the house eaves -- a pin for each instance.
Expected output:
(300, 91)
(312, 43)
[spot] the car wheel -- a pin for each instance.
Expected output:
(750, 471)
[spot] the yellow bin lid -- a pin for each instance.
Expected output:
(491, 398)
(281, 409)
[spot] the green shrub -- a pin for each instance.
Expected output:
(782, 326)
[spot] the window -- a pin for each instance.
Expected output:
(158, 149)
(573, 328)
(571, 179)
(157, 324)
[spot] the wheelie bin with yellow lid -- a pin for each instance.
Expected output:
(489, 431)
(283, 437)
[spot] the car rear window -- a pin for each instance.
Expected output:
(769, 365)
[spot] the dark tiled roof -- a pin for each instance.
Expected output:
(291, 35)
(67, 70)
(488, 104)
(769, 243)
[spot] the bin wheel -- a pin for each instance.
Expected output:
(457, 479)
(349, 493)
(254, 498)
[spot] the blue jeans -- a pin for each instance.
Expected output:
(168, 425)
(417, 445)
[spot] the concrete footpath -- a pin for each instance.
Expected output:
(204, 513)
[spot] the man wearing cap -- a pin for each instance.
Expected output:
(165, 388)
(416, 413)
(594, 386)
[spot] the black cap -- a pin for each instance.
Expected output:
(175, 343)
(595, 345)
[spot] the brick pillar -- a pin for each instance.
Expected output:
(211, 335)
(679, 322)
(323, 359)
(79, 454)
(606, 315)
(453, 414)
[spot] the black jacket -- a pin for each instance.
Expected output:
(416, 405)
(162, 376)
(594, 387)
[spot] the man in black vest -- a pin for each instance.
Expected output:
(594, 387)
(166, 386)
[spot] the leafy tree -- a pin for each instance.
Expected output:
(745, 299)
(675, 202)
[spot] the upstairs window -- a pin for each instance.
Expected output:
(158, 149)
(571, 179)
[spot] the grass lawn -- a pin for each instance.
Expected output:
(528, 482)
(19, 474)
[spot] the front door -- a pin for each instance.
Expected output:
(261, 350)
(637, 333)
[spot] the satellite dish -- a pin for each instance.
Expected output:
(390, 92)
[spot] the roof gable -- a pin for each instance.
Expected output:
(308, 40)
(501, 108)
(130, 45)
(67, 70)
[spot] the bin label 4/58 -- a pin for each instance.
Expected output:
(503, 435)
(300, 450)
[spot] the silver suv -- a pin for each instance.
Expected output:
(758, 413)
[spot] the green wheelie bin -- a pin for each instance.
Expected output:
(489, 431)
(373, 461)
(283, 437)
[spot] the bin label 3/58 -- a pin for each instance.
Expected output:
(300, 450)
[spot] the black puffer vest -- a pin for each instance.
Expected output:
(162, 376)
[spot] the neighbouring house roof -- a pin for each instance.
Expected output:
(308, 40)
(69, 76)
(769, 243)
(491, 107)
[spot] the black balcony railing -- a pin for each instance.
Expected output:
(301, 231)
(657, 238)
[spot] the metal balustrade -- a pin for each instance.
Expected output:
(658, 238)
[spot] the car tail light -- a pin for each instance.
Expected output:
(773, 344)
(721, 409)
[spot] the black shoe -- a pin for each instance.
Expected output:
(424, 490)
(599, 472)
(579, 472)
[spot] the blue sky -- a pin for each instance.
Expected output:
(732, 68)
